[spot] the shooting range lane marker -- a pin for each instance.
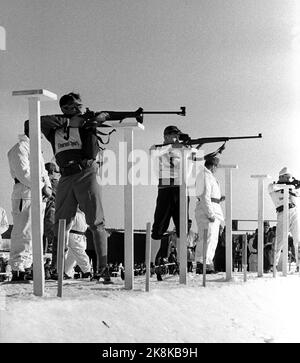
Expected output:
(260, 222)
(34, 98)
(61, 255)
(148, 255)
(183, 220)
(129, 127)
(205, 232)
(228, 216)
(244, 255)
(42, 94)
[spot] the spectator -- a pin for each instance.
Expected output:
(90, 249)
(253, 252)
(220, 259)
(192, 238)
(47, 268)
(48, 236)
(172, 260)
(267, 249)
(3, 223)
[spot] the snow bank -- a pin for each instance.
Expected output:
(260, 310)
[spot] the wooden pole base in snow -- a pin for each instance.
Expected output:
(244, 256)
(128, 126)
(204, 256)
(183, 212)
(228, 218)
(148, 255)
(260, 221)
(61, 255)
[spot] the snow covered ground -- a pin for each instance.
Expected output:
(260, 310)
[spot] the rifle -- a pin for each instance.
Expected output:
(90, 116)
(294, 182)
(185, 140)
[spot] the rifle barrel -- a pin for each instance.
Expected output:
(181, 112)
(245, 137)
(160, 112)
(206, 140)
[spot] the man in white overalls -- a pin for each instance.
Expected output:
(276, 193)
(208, 213)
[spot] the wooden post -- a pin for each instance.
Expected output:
(61, 255)
(204, 256)
(274, 257)
(183, 222)
(297, 256)
(129, 216)
(34, 98)
(2, 38)
(148, 255)
(285, 228)
(128, 127)
(260, 221)
(244, 256)
(228, 218)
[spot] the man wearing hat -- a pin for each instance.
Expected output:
(276, 193)
(167, 202)
(75, 147)
(208, 213)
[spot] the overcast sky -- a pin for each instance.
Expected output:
(232, 63)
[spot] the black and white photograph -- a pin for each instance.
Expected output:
(150, 174)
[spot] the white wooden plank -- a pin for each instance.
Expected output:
(128, 213)
(36, 198)
(148, 255)
(183, 222)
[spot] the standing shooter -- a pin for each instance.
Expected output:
(75, 146)
(167, 202)
(276, 193)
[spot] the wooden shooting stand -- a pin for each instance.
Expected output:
(128, 127)
(34, 98)
(260, 221)
(228, 218)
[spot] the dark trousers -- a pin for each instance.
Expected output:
(167, 207)
(82, 189)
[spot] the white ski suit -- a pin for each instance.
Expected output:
(21, 241)
(77, 245)
(3, 222)
(276, 193)
(208, 195)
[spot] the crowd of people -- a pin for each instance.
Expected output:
(70, 190)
